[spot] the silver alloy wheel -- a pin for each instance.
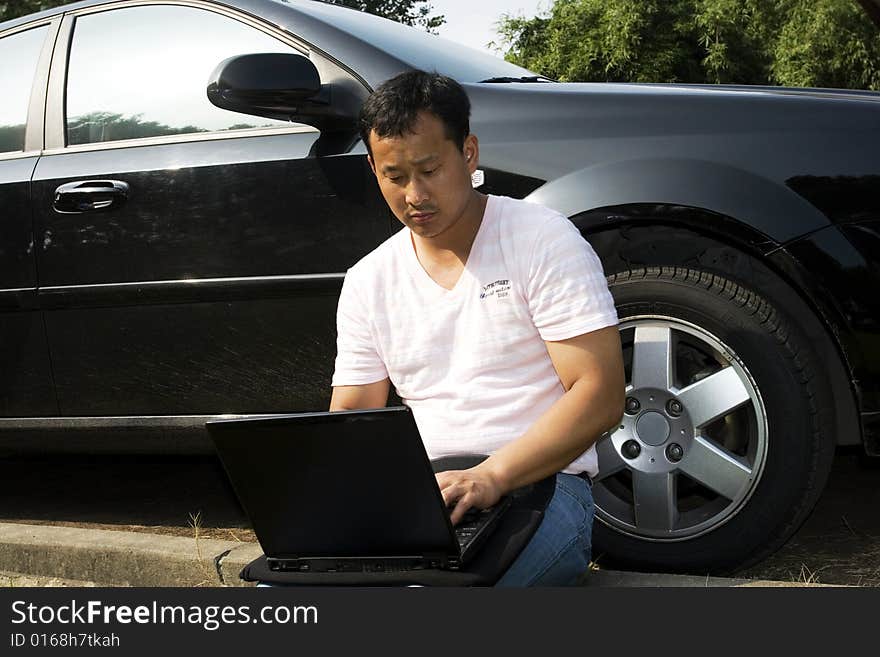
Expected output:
(692, 443)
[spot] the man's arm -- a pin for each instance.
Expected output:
(590, 367)
(353, 398)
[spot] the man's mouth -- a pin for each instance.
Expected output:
(420, 217)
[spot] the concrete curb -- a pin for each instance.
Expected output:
(112, 558)
(41, 555)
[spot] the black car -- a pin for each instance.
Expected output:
(164, 261)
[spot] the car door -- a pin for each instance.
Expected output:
(190, 258)
(25, 374)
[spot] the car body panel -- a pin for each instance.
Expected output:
(841, 266)
(26, 387)
(602, 145)
(175, 303)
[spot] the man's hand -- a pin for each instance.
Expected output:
(466, 489)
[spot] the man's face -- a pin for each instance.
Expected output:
(424, 177)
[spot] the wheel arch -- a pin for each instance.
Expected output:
(772, 211)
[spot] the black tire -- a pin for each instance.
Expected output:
(769, 456)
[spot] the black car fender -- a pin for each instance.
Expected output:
(758, 202)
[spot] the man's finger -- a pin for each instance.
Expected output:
(447, 477)
(461, 508)
(451, 493)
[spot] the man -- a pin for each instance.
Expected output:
(492, 319)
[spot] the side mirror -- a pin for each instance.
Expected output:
(277, 86)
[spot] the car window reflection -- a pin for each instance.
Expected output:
(142, 71)
(18, 54)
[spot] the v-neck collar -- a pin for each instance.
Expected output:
(424, 279)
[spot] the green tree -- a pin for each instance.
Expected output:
(408, 12)
(789, 42)
(110, 126)
(827, 43)
(10, 9)
(732, 38)
(609, 40)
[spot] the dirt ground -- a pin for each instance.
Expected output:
(839, 543)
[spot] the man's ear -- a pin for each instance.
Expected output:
(471, 152)
(372, 166)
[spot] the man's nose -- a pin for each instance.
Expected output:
(416, 193)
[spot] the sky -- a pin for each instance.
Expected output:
(472, 22)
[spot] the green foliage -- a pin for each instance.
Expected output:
(609, 40)
(828, 43)
(408, 12)
(109, 126)
(789, 42)
(10, 9)
(11, 138)
(732, 35)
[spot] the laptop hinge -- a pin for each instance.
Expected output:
(440, 560)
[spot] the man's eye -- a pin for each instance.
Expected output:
(429, 172)
(395, 179)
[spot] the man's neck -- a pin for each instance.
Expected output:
(454, 245)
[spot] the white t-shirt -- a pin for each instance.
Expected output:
(471, 362)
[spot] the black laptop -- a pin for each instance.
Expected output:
(345, 491)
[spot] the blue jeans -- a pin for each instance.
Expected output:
(559, 552)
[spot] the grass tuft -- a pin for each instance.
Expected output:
(807, 576)
(195, 521)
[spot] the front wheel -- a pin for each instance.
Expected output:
(725, 444)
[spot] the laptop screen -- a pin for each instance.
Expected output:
(342, 484)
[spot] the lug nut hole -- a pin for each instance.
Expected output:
(674, 452)
(631, 449)
(632, 405)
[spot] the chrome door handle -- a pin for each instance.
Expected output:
(90, 196)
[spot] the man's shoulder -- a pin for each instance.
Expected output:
(524, 221)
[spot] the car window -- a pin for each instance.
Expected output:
(142, 72)
(18, 62)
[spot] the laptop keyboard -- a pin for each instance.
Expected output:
(470, 524)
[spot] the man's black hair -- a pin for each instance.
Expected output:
(392, 109)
